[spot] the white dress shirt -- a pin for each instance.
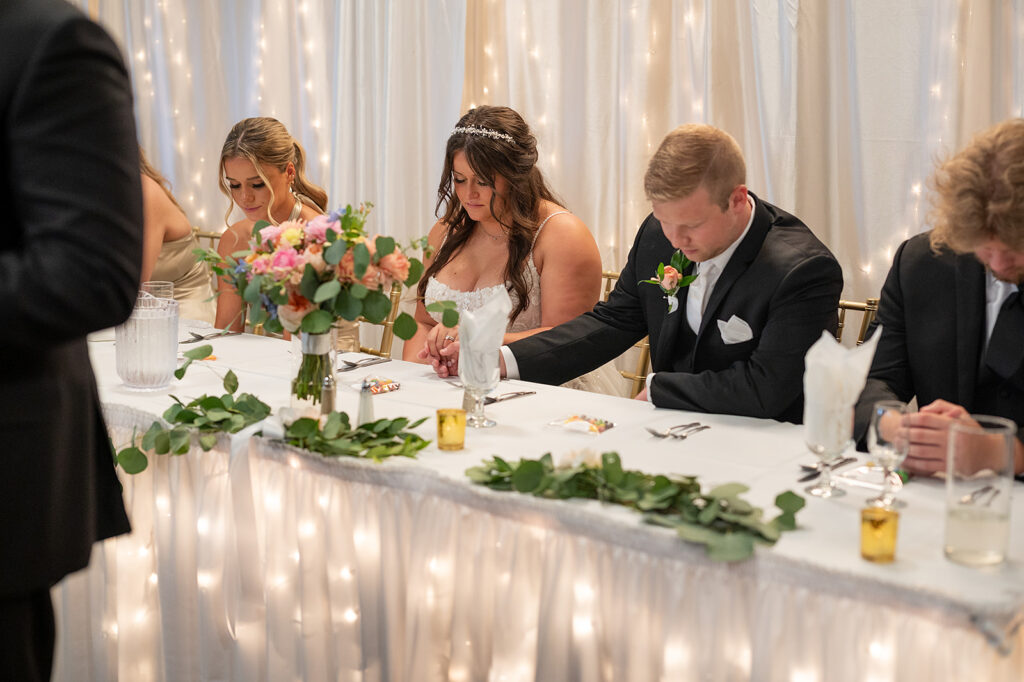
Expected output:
(996, 291)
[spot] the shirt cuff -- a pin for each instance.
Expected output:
(511, 366)
(650, 378)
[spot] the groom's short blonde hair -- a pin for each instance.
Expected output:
(692, 156)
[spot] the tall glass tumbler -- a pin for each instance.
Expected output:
(146, 345)
(158, 288)
(979, 482)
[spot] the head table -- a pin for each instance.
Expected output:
(258, 561)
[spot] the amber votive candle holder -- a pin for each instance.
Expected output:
(878, 528)
(451, 428)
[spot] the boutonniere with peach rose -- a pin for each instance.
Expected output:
(670, 278)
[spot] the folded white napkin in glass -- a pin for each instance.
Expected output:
(481, 332)
(834, 377)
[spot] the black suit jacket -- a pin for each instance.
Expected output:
(932, 312)
(70, 257)
(781, 281)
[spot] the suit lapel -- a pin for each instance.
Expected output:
(970, 323)
(664, 349)
(745, 253)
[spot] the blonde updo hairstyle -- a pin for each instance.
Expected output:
(265, 142)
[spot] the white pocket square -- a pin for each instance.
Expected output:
(735, 330)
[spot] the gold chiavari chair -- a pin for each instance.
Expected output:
(638, 377)
(868, 310)
(387, 336)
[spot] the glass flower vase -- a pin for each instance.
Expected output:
(313, 388)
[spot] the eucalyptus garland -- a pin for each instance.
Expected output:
(727, 525)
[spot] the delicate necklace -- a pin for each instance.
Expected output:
(497, 239)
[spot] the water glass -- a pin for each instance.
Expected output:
(888, 443)
(828, 434)
(146, 345)
(451, 429)
(158, 288)
(979, 481)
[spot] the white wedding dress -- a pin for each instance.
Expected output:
(604, 379)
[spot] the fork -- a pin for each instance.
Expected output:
(205, 337)
(669, 431)
(972, 497)
(364, 362)
(683, 434)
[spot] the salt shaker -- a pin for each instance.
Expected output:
(365, 403)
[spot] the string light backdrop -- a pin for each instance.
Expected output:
(841, 107)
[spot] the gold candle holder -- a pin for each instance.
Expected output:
(451, 428)
(878, 529)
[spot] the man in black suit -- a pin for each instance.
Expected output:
(70, 257)
(734, 340)
(950, 310)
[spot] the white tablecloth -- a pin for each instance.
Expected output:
(256, 561)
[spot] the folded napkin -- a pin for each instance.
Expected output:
(834, 377)
(480, 335)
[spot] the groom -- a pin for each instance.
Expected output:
(735, 342)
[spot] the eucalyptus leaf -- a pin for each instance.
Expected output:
(317, 322)
(327, 291)
(335, 252)
(360, 260)
(415, 272)
(199, 352)
(384, 246)
(730, 547)
(527, 476)
(132, 460)
(450, 317)
(347, 306)
(376, 307)
(230, 385)
(207, 441)
(405, 326)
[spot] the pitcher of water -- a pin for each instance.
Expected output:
(146, 345)
(979, 482)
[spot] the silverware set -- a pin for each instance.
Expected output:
(679, 431)
(490, 400)
(815, 472)
(196, 338)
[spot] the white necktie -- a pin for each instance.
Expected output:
(697, 296)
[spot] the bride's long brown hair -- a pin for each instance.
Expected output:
(490, 156)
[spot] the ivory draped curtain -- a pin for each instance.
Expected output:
(841, 106)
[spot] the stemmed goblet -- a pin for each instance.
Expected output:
(827, 434)
(476, 391)
(888, 443)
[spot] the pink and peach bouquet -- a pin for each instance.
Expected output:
(303, 276)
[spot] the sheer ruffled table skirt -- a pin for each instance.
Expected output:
(273, 564)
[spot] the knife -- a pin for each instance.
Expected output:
(489, 400)
(835, 465)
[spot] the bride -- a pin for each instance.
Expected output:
(503, 228)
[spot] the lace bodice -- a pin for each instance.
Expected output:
(471, 300)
